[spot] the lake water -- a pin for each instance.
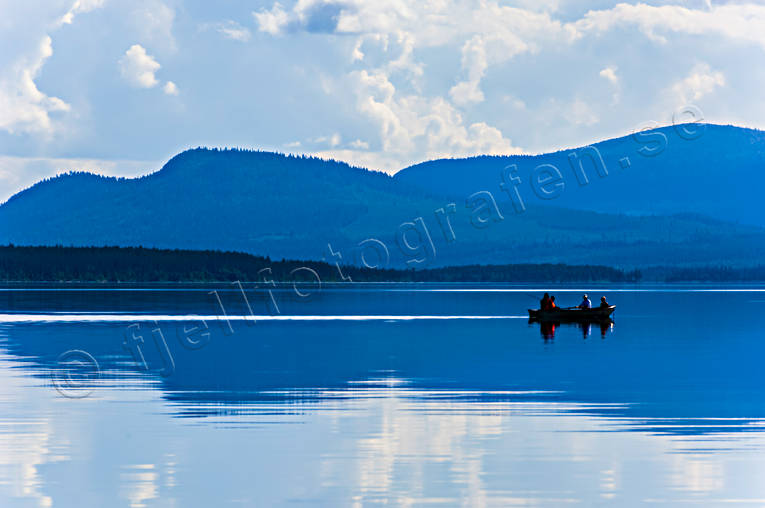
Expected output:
(396, 394)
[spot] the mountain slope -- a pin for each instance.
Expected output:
(239, 200)
(293, 207)
(712, 170)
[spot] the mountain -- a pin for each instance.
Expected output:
(677, 207)
(712, 170)
(256, 202)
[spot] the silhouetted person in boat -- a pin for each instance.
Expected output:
(586, 303)
(552, 303)
(544, 303)
(603, 303)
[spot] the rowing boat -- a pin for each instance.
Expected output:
(572, 314)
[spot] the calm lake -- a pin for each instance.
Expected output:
(399, 394)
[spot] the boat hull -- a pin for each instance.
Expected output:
(572, 315)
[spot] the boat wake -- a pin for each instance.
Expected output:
(132, 318)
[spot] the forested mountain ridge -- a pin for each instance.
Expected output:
(452, 212)
(711, 170)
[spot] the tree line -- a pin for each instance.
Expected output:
(140, 264)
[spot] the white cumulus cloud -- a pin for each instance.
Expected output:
(701, 81)
(23, 107)
(609, 73)
(474, 62)
(138, 67)
(26, 44)
(80, 6)
(743, 22)
(272, 21)
(412, 127)
(170, 88)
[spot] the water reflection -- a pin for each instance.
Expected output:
(547, 328)
(293, 363)
(448, 411)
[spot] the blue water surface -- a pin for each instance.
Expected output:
(211, 395)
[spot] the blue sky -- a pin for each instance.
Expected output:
(118, 86)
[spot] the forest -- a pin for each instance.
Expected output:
(139, 264)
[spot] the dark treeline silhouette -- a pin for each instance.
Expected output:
(715, 274)
(523, 273)
(138, 264)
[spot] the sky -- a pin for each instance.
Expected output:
(120, 86)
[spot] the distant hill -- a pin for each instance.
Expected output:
(711, 170)
(677, 207)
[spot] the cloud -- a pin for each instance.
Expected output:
(393, 41)
(317, 16)
(742, 22)
(474, 61)
(333, 140)
(153, 20)
(609, 74)
(492, 33)
(701, 81)
(397, 81)
(139, 68)
(80, 6)
(170, 88)
(23, 107)
(412, 127)
(234, 31)
(272, 21)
